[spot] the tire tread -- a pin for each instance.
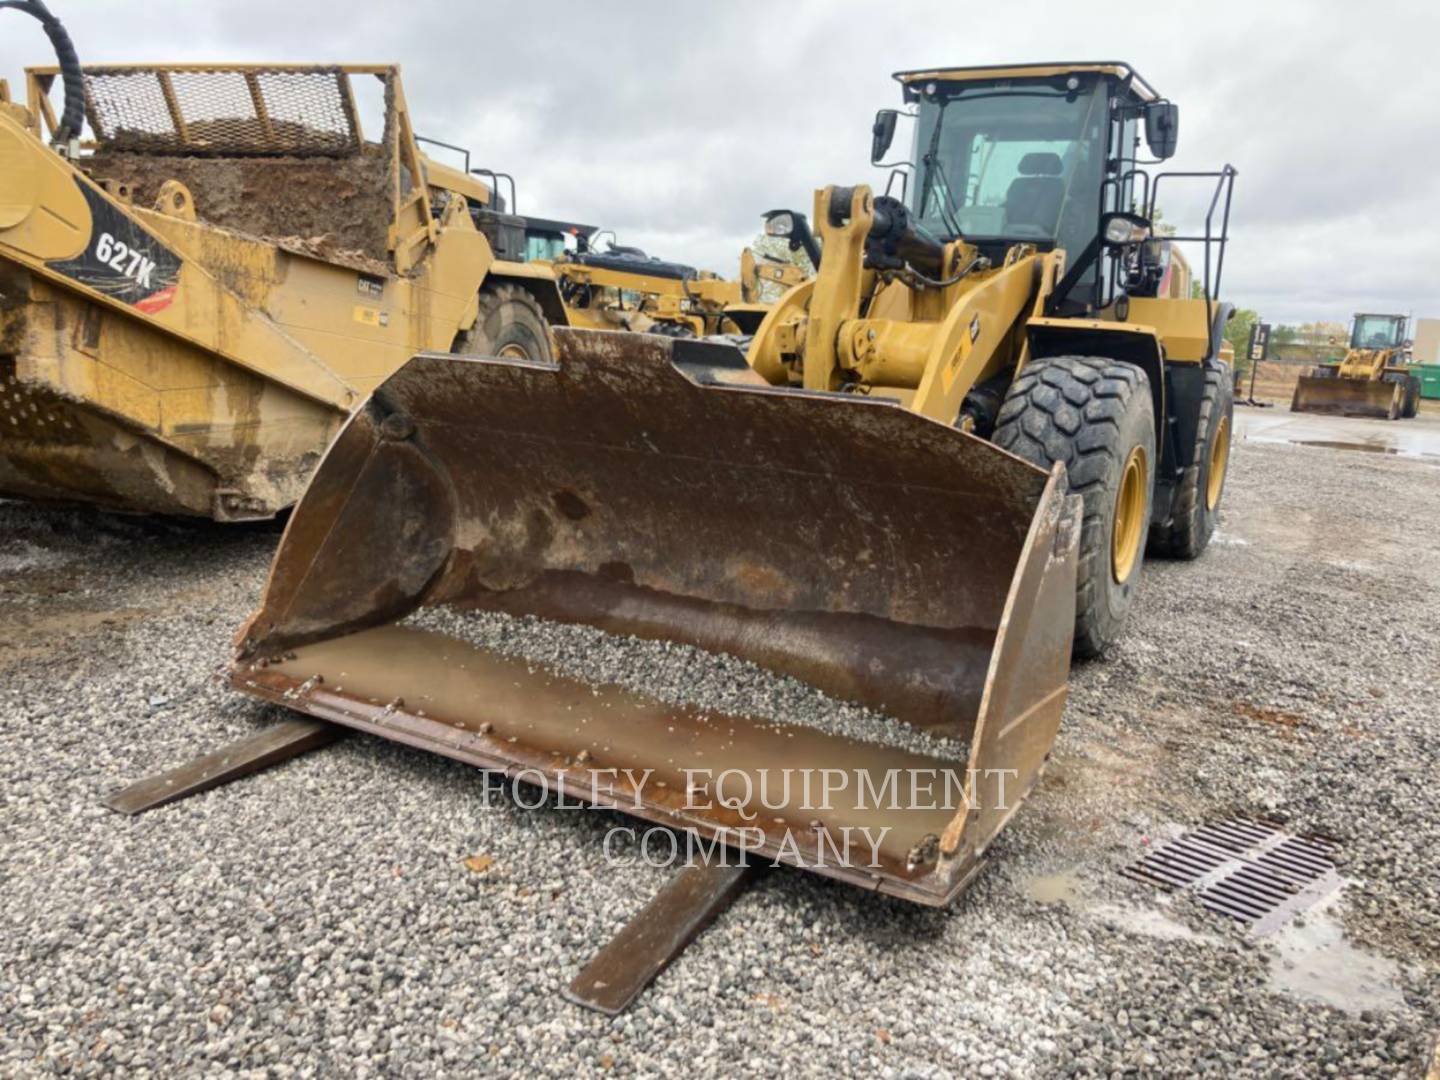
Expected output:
(1070, 409)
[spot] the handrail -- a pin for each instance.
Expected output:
(495, 178)
(1224, 185)
(448, 146)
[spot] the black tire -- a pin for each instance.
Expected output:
(1409, 393)
(509, 323)
(1192, 523)
(1089, 413)
(1412, 397)
(670, 329)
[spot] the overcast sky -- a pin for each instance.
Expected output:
(677, 124)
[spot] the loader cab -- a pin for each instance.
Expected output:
(1036, 154)
(1378, 332)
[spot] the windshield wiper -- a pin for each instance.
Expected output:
(932, 156)
(948, 209)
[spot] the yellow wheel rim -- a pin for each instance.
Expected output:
(513, 352)
(1129, 515)
(1219, 459)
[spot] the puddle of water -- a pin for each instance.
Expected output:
(1064, 888)
(1061, 888)
(1314, 962)
(1368, 448)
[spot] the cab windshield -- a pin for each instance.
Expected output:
(1377, 332)
(1013, 160)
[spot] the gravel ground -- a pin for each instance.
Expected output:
(322, 917)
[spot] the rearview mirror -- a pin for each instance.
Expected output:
(1162, 128)
(882, 134)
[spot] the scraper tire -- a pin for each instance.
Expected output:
(670, 329)
(1192, 523)
(509, 324)
(1092, 414)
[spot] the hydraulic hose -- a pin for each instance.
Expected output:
(72, 118)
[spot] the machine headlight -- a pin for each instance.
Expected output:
(779, 223)
(1122, 230)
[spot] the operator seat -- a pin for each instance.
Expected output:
(1034, 197)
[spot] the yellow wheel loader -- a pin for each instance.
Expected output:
(1015, 294)
(194, 299)
(1373, 379)
(936, 471)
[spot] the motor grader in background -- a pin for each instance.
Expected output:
(623, 288)
(194, 300)
(1373, 378)
(934, 472)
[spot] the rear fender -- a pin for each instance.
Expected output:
(541, 286)
(1126, 342)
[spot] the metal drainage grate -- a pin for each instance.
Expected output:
(1248, 869)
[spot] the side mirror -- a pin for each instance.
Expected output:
(882, 134)
(1162, 128)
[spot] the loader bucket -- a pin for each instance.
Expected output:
(1339, 396)
(655, 487)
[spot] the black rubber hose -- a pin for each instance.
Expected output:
(895, 235)
(72, 118)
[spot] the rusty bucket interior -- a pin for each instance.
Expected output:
(654, 487)
(1338, 396)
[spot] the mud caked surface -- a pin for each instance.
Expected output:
(345, 200)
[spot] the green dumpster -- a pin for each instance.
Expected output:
(1429, 379)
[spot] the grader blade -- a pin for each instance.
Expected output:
(1338, 396)
(654, 487)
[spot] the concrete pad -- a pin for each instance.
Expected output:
(1417, 438)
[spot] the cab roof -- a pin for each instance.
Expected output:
(1118, 69)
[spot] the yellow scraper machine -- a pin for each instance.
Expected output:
(934, 473)
(196, 294)
(1374, 378)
